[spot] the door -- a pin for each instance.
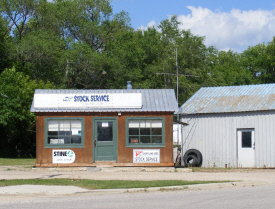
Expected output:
(246, 148)
(104, 139)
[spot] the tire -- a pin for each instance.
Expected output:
(196, 153)
(191, 161)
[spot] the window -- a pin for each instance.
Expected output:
(145, 132)
(246, 139)
(64, 132)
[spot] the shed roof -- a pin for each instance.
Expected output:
(231, 99)
(153, 100)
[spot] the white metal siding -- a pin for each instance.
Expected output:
(215, 136)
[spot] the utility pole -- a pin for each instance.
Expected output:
(177, 75)
(178, 133)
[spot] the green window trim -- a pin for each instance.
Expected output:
(139, 144)
(75, 145)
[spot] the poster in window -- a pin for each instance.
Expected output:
(105, 124)
(74, 131)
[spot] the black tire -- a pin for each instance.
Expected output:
(191, 161)
(195, 152)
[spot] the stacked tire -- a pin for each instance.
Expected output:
(192, 158)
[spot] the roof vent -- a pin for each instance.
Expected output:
(129, 85)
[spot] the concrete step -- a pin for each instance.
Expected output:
(105, 164)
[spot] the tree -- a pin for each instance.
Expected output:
(16, 92)
(190, 56)
(17, 14)
(260, 61)
(48, 36)
(226, 69)
(4, 46)
(132, 57)
(88, 27)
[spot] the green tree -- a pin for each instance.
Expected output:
(260, 61)
(131, 57)
(34, 49)
(4, 46)
(17, 13)
(190, 53)
(16, 92)
(226, 69)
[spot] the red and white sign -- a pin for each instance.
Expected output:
(146, 156)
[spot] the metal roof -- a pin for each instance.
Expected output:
(153, 100)
(231, 99)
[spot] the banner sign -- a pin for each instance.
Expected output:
(63, 156)
(146, 156)
(116, 100)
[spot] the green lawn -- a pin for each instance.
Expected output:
(102, 184)
(86, 183)
(17, 161)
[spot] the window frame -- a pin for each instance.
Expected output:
(47, 145)
(128, 144)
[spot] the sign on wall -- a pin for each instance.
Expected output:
(116, 100)
(146, 156)
(63, 156)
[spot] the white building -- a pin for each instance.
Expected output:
(231, 126)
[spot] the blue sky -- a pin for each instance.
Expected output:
(227, 24)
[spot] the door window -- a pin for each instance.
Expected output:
(104, 131)
(246, 139)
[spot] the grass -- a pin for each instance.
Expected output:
(17, 161)
(102, 184)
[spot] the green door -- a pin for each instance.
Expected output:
(105, 139)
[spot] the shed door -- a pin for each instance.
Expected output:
(246, 148)
(105, 139)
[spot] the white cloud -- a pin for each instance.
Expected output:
(235, 30)
(150, 24)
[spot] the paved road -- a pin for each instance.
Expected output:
(237, 197)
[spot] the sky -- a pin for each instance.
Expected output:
(226, 24)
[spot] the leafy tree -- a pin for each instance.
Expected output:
(4, 46)
(89, 22)
(16, 92)
(227, 69)
(39, 54)
(260, 61)
(86, 27)
(17, 14)
(190, 53)
(34, 50)
(131, 54)
(84, 67)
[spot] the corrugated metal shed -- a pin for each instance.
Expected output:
(231, 99)
(153, 100)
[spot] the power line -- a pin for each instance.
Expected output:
(178, 74)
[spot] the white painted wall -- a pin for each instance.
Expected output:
(215, 136)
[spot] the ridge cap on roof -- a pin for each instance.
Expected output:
(258, 84)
